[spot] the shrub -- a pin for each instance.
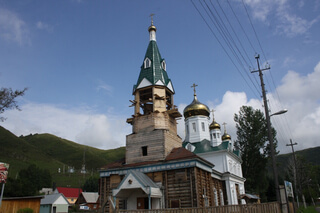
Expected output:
(25, 210)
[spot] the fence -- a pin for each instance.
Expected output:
(249, 208)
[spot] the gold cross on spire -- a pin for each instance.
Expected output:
(212, 114)
(225, 129)
(151, 15)
(194, 88)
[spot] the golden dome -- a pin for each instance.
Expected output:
(214, 125)
(196, 108)
(152, 27)
(226, 136)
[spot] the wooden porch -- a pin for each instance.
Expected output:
(273, 207)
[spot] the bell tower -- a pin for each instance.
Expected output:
(154, 126)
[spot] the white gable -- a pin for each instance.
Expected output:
(131, 183)
(170, 87)
(61, 200)
(159, 83)
(144, 83)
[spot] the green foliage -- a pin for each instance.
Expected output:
(29, 182)
(25, 210)
(8, 99)
(91, 185)
(252, 141)
(71, 153)
(309, 209)
(51, 153)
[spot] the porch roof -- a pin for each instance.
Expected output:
(135, 180)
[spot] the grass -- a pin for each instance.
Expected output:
(309, 209)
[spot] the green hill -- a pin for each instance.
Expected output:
(311, 155)
(51, 152)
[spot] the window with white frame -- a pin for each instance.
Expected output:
(215, 194)
(221, 198)
(164, 66)
(194, 127)
(147, 63)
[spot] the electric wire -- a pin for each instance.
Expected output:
(232, 46)
(224, 32)
(244, 32)
(234, 33)
(255, 33)
(224, 36)
(222, 46)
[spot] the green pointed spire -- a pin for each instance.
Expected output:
(153, 69)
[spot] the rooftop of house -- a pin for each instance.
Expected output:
(90, 197)
(69, 192)
(50, 199)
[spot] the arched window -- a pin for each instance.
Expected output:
(215, 194)
(194, 127)
(230, 166)
(147, 63)
(164, 66)
(221, 198)
(203, 126)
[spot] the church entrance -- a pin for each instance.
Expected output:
(142, 203)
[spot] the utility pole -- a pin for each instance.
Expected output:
(270, 136)
(294, 170)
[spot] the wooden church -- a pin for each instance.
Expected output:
(157, 171)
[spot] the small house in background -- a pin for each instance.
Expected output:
(13, 204)
(56, 203)
(88, 200)
(71, 194)
(46, 191)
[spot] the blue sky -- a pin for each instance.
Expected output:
(80, 60)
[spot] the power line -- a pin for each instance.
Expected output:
(255, 33)
(222, 46)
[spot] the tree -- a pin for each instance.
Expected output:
(252, 141)
(307, 178)
(8, 99)
(91, 184)
(29, 182)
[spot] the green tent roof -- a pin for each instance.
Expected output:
(155, 74)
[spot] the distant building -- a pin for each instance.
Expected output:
(71, 194)
(56, 203)
(46, 191)
(13, 204)
(88, 199)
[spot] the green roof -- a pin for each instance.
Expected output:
(155, 74)
(205, 146)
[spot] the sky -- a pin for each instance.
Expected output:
(79, 60)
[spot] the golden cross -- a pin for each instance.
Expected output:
(213, 113)
(224, 124)
(151, 15)
(194, 88)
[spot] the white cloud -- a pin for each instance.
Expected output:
(287, 23)
(102, 86)
(81, 126)
(12, 28)
(43, 26)
(292, 25)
